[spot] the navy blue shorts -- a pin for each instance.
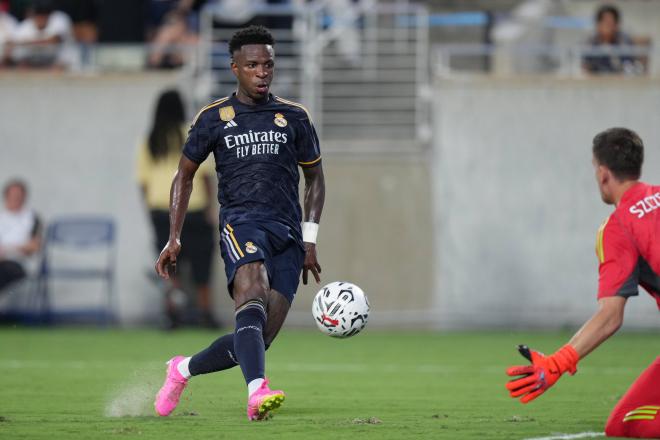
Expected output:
(270, 242)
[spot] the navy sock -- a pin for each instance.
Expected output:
(249, 340)
(216, 357)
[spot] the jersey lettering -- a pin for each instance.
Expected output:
(646, 205)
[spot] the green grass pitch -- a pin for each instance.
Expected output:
(88, 384)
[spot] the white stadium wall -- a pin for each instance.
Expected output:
(74, 140)
(516, 205)
(494, 228)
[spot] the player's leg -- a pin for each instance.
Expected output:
(250, 291)
(278, 309)
(637, 413)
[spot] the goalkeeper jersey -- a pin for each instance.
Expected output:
(628, 245)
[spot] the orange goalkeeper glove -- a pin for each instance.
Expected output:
(542, 374)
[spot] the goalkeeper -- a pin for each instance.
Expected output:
(628, 250)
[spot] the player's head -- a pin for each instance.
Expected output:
(14, 194)
(618, 154)
(252, 61)
(607, 22)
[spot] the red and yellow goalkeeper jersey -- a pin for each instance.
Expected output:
(628, 245)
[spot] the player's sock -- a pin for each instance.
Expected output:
(254, 385)
(216, 357)
(183, 368)
(638, 412)
(249, 341)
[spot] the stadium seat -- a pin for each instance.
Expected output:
(77, 249)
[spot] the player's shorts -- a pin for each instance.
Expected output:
(270, 242)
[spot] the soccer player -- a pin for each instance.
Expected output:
(628, 250)
(258, 141)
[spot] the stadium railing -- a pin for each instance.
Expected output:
(525, 59)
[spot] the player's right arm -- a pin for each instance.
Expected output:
(196, 149)
(618, 279)
(182, 186)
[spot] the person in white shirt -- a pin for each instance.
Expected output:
(7, 28)
(20, 233)
(44, 39)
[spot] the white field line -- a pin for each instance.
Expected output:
(339, 368)
(569, 436)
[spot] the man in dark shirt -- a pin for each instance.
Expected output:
(607, 43)
(258, 140)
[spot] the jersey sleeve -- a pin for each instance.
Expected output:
(198, 145)
(618, 271)
(307, 145)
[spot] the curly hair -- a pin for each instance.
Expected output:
(250, 35)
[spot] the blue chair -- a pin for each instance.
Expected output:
(81, 237)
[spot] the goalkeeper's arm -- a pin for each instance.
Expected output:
(544, 371)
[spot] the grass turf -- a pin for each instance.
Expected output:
(87, 383)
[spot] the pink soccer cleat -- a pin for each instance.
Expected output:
(264, 400)
(168, 397)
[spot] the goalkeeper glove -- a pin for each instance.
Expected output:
(542, 374)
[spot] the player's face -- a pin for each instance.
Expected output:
(253, 66)
(603, 177)
(14, 198)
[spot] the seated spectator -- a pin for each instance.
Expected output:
(44, 39)
(7, 28)
(173, 23)
(20, 233)
(611, 41)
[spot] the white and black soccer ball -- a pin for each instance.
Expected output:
(340, 309)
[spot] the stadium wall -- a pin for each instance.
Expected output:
(516, 204)
(74, 140)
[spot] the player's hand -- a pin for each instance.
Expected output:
(543, 373)
(166, 262)
(311, 263)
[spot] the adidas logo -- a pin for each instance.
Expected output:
(231, 124)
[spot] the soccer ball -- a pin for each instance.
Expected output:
(340, 309)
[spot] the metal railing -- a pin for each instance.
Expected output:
(361, 72)
(563, 61)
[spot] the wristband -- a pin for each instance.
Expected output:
(309, 232)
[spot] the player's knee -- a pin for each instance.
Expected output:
(614, 427)
(250, 283)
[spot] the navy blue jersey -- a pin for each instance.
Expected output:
(257, 150)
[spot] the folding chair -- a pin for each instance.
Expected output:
(81, 238)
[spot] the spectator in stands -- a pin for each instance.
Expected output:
(607, 43)
(174, 23)
(43, 39)
(20, 233)
(157, 162)
(84, 15)
(7, 28)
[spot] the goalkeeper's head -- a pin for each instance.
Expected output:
(618, 154)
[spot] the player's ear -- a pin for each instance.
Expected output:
(604, 175)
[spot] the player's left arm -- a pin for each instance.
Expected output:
(313, 206)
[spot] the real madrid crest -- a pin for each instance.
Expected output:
(227, 113)
(279, 120)
(250, 248)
